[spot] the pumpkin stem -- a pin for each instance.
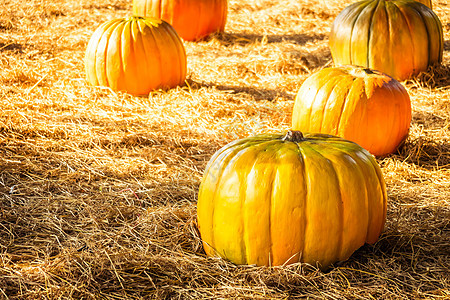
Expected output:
(293, 136)
(368, 71)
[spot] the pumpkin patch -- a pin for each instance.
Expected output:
(136, 164)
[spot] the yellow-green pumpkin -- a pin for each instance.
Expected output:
(192, 19)
(398, 37)
(276, 199)
(356, 103)
(136, 55)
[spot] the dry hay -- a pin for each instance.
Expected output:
(98, 189)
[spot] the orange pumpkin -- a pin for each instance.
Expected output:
(192, 19)
(136, 55)
(356, 103)
(398, 37)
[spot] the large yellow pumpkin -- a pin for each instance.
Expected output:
(192, 19)
(398, 37)
(277, 199)
(136, 55)
(356, 103)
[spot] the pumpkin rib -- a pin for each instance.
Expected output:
(431, 37)
(340, 202)
(181, 54)
(314, 247)
(249, 243)
(394, 121)
(366, 10)
(384, 194)
(114, 65)
(223, 19)
(156, 36)
(371, 238)
(402, 46)
(229, 158)
(342, 18)
(344, 103)
(337, 99)
(307, 195)
(326, 105)
(321, 85)
(348, 101)
(370, 33)
(101, 53)
(216, 160)
(147, 45)
(416, 64)
(317, 109)
(200, 22)
(168, 42)
(405, 118)
(305, 203)
(223, 158)
(128, 60)
(91, 51)
(422, 17)
(175, 56)
(369, 167)
(138, 51)
(441, 36)
(153, 45)
(388, 60)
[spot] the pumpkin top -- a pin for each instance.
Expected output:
(149, 21)
(293, 136)
(362, 72)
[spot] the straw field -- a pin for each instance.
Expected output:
(98, 189)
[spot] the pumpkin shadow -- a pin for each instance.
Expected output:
(425, 151)
(15, 47)
(415, 237)
(447, 45)
(256, 93)
(434, 77)
(228, 39)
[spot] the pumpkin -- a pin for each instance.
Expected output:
(192, 19)
(398, 37)
(275, 199)
(136, 55)
(356, 103)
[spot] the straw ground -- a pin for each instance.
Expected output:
(98, 189)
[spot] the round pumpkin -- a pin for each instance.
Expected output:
(192, 19)
(276, 199)
(356, 103)
(136, 55)
(398, 37)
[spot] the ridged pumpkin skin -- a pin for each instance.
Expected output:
(192, 19)
(398, 37)
(278, 199)
(136, 55)
(358, 104)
